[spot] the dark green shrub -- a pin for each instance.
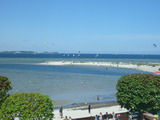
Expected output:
(34, 106)
(4, 88)
(139, 92)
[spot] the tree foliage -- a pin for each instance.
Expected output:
(4, 88)
(139, 92)
(34, 106)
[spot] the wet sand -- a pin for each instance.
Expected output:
(94, 105)
(59, 103)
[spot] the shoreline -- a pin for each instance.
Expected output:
(146, 67)
(94, 104)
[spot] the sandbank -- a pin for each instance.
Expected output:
(141, 67)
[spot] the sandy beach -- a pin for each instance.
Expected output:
(82, 110)
(141, 67)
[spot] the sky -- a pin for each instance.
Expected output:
(88, 26)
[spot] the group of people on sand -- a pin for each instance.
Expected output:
(106, 116)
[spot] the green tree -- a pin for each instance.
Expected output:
(139, 92)
(34, 106)
(4, 88)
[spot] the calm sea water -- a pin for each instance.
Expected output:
(77, 84)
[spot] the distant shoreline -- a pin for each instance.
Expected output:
(146, 67)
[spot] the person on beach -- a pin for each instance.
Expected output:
(95, 118)
(107, 116)
(130, 117)
(65, 118)
(118, 116)
(97, 98)
(100, 116)
(89, 108)
(70, 118)
(61, 111)
(113, 116)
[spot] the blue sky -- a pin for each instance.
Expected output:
(89, 26)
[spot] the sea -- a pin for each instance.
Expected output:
(71, 83)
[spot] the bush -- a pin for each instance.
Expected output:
(4, 88)
(27, 106)
(139, 92)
